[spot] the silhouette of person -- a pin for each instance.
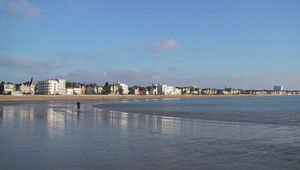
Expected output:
(78, 105)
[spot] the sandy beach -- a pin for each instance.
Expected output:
(228, 133)
(4, 98)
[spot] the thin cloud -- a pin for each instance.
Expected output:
(22, 9)
(84, 56)
(147, 77)
(169, 45)
(28, 65)
(130, 77)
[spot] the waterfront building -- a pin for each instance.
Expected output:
(134, 90)
(143, 91)
(82, 89)
(91, 90)
(74, 90)
(194, 90)
(232, 91)
(77, 91)
(7, 88)
(278, 88)
(100, 90)
(186, 90)
(197, 91)
(62, 87)
(123, 88)
(168, 90)
(147, 92)
(209, 91)
(153, 89)
(113, 89)
(260, 92)
(223, 92)
(70, 91)
(52, 87)
(26, 88)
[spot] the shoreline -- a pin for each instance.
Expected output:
(5, 99)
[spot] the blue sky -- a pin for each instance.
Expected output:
(242, 44)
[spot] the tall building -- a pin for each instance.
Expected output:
(52, 87)
(123, 88)
(167, 90)
(62, 87)
(278, 88)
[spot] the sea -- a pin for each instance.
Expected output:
(183, 133)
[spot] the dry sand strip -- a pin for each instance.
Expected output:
(5, 98)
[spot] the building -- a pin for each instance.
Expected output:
(74, 91)
(153, 89)
(7, 88)
(91, 90)
(113, 89)
(168, 90)
(194, 90)
(232, 91)
(278, 88)
(70, 91)
(134, 90)
(143, 91)
(100, 90)
(123, 88)
(223, 92)
(209, 91)
(52, 87)
(186, 90)
(27, 87)
(62, 87)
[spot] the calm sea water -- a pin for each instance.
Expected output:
(205, 133)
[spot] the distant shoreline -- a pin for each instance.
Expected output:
(4, 98)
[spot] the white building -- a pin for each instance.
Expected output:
(74, 91)
(168, 90)
(153, 90)
(27, 87)
(100, 90)
(52, 87)
(70, 91)
(7, 88)
(62, 87)
(123, 88)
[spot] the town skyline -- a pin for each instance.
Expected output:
(63, 87)
(246, 45)
(92, 84)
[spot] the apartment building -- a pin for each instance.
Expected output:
(52, 87)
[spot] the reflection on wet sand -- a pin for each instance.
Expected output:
(57, 115)
(11, 113)
(55, 132)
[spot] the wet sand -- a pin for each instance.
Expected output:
(4, 98)
(54, 135)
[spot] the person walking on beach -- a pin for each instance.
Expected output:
(78, 105)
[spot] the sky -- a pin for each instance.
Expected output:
(249, 44)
